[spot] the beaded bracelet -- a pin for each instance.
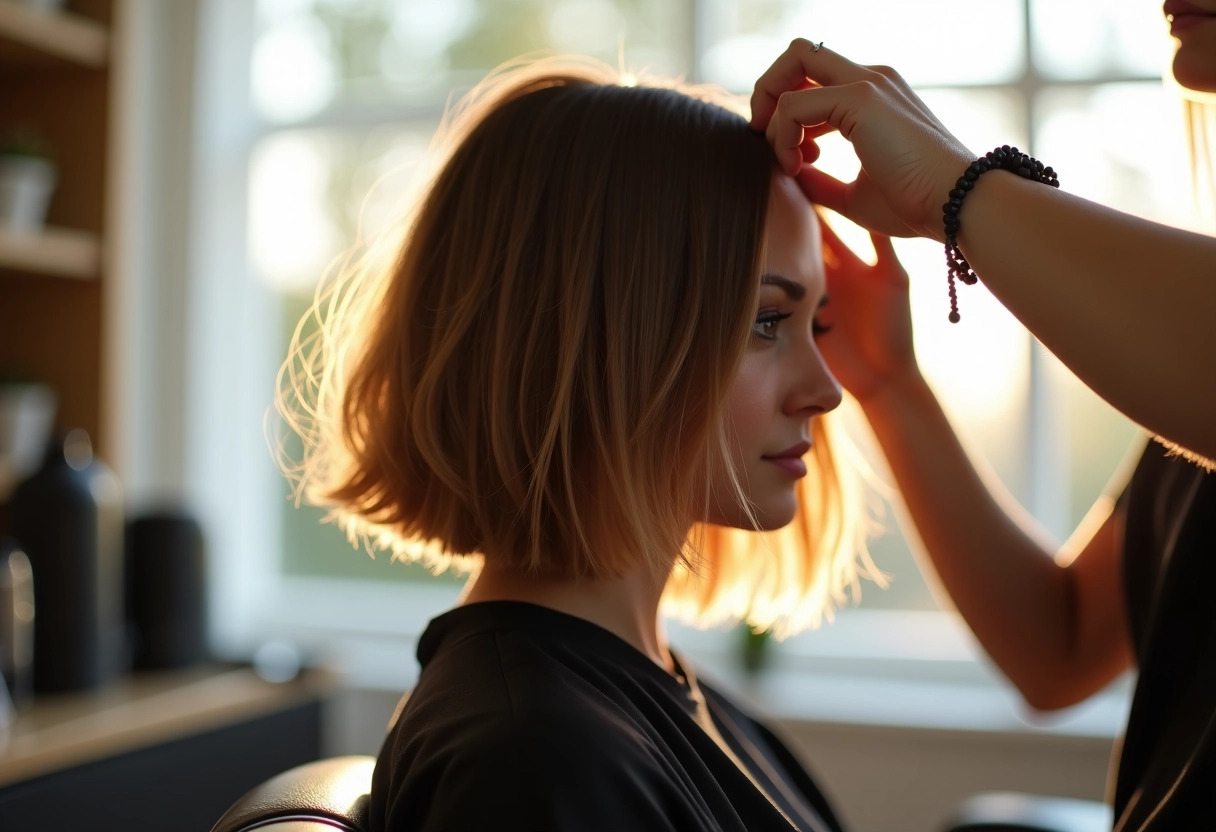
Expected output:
(1003, 158)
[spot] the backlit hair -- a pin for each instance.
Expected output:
(538, 376)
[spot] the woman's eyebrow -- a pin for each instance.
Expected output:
(796, 291)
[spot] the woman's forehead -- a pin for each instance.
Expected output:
(792, 240)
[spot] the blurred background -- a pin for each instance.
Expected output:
(215, 158)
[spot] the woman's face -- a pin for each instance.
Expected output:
(782, 383)
(1193, 26)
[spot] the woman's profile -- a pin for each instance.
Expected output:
(589, 376)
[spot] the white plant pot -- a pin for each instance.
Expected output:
(26, 185)
(27, 418)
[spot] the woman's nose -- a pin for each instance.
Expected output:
(816, 390)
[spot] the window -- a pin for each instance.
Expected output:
(308, 104)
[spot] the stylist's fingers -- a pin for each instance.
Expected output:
(884, 250)
(809, 149)
(888, 261)
(801, 61)
(823, 189)
(857, 201)
(818, 110)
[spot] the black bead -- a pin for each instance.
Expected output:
(976, 168)
(970, 175)
(1023, 172)
(957, 193)
(956, 203)
(966, 184)
(1047, 171)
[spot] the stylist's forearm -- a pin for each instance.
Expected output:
(991, 558)
(1127, 304)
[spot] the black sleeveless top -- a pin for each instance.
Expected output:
(1166, 778)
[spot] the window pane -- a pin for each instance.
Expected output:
(312, 193)
(311, 54)
(314, 548)
(1118, 144)
(1091, 39)
(744, 36)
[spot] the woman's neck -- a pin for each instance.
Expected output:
(627, 606)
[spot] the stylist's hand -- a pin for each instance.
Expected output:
(869, 347)
(909, 160)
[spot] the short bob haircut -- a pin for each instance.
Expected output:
(537, 377)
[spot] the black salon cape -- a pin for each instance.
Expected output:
(1166, 778)
(527, 718)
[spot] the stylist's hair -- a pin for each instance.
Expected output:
(537, 377)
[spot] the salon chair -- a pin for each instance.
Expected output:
(1014, 812)
(323, 796)
(331, 796)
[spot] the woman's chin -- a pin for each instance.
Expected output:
(768, 518)
(1194, 64)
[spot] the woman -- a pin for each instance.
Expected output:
(590, 375)
(1127, 305)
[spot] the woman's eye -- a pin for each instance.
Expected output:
(767, 323)
(818, 329)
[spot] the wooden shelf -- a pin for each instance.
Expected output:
(55, 251)
(33, 38)
(144, 709)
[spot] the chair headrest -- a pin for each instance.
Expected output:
(334, 789)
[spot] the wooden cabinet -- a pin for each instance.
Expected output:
(55, 78)
(156, 751)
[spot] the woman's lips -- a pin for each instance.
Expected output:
(1183, 15)
(1182, 22)
(792, 465)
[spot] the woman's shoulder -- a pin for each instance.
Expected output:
(475, 747)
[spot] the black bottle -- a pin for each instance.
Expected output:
(68, 517)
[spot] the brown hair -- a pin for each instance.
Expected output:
(538, 377)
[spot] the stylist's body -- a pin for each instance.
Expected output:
(1129, 306)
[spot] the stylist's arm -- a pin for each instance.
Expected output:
(1126, 303)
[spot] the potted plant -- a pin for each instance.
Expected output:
(27, 179)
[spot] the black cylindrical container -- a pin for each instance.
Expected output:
(68, 517)
(165, 590)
